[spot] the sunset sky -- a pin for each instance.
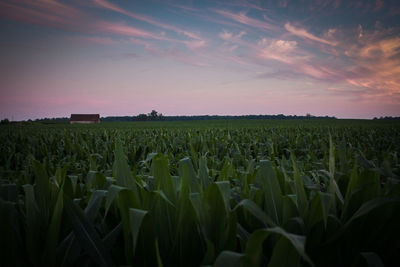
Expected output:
(324, 57)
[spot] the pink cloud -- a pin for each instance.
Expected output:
(107, 5)
(226, 36)
(56, 15)
(125, 30)
(306, 35)
(245, 4)
(246, 20)
(369, 61)
(195, 44)
(41, 15)
(230, 37)
(51, 7)
(279, 50)
(110, 6)
(184, 8)
(95, 40)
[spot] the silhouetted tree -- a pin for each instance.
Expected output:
(5, 121)
(142, 117)
(153, 115)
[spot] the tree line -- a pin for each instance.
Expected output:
(156, 116)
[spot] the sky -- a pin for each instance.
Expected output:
(323, 57)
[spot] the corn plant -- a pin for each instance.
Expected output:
(259, 195)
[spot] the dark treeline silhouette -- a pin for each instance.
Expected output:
(226, 117)
(155, 116)
(387, 118)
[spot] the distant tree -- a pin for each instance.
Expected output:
(5, 121)
(308, 115)
(153, 115)
(142, 117)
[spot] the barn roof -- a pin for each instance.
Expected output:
(85, 117)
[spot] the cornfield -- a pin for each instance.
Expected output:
(249, 194)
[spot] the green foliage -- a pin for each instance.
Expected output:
(226, 193)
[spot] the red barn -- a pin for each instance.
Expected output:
(84, 118)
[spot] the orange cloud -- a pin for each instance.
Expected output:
(376, 65)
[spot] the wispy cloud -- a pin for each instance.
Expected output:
(303, 33)
(94, 40)
(279, 50)
(47, 13)
(144, 18)
(195, 44)
(246, 20)
(184, 7)
(245, 4)
(191, 44)
(230, 37)
(126, 30)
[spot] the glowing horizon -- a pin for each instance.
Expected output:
(123, 58)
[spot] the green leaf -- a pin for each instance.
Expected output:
(162, 177)
(186, 171)
(320, 208)
(127, 200)
(49, 255)
(86, 234)
(362, 188)
(228, 258)
(302, 202)
(112, 194)
(93, 207)
(203, 173)
(225, 190)
(121, 170)
(372, 259)
(210, 252)
(370, 206)
(284, 254)
(33, 222)
(289, 208)
(333, 187)
(256, 239)
(272, 191)
(42, 189)
(213, 216)
(136, 217)
(110, 239)
(256, 211)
